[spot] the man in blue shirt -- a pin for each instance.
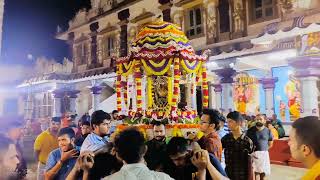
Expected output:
(100, 123)
(61, 161)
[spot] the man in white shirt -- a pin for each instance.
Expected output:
(130, 148)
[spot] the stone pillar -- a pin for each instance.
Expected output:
(123, 17)
(211, 94)
(166, 9)
(57, 97)
(211, 12)
(218, 100)
(73, 98)
(307, 70)
(96, 92)
(94, 31)
(194, 98)
(268, 85)
(226, 80)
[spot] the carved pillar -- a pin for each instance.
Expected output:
(211, 20)
(94, 30)
(268, 85)
(307, 70)
(123, 17)
(73, 98)
(96, 93)
(166, 9)
(57, 97)
(226, 81)
(218, 91)
(211, 96)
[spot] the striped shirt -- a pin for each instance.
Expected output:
(93, 142)
(223, 130)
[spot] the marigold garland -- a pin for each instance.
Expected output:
(205, 87)
(125, 91)
(121, 127)
(149, 92)
(151, 71)
(170, 91)
(138, 85)
(189, 70)
(176, 84)
(118, 89)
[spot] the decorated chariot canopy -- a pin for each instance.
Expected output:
(162, 56)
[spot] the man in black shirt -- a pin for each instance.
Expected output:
(262, 139)
(156, 155)
(180, 166)
(237, 149)
(85, 131)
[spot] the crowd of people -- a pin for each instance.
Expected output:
(233, 147)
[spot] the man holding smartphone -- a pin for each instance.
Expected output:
(62, 160)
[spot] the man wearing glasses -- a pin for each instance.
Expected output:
(100, 123)
(209, 124)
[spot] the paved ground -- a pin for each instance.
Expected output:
(279, 172)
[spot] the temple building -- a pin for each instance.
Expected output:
(264, 55)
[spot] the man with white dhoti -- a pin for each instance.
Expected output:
(262, 139)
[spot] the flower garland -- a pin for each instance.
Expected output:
(169, 91)
(125, 91)
(176, 87)
(137, 75)
(157, 68)
(205, 87)
(118, 89)
(168, 126)
(191, 67)
(149, 92)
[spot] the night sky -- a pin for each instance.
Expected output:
(29, 27)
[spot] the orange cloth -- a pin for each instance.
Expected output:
(275, 133)
(313, 173)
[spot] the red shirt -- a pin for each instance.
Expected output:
(212, 144)
(65, 122)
